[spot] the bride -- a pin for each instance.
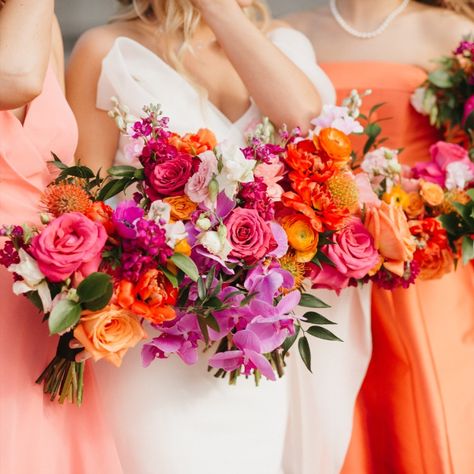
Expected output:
(220, 64)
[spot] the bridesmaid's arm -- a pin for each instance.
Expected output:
(280, 89)
(98, 134)
(25, 46)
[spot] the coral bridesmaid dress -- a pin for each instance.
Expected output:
(415, 411)
(37, 436)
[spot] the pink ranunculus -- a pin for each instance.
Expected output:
(70, 243)
(197, 188)
(249, 235)
(442, 155)
(272, 174)
(169, 177)
(468, 108)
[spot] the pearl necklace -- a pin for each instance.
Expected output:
(363, 34)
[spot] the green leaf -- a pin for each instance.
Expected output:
(185, 264)
(316, 318)
(470, 193)
(94, 287)
(248, 299)
(467, 249)
(210, 277)
(183, 296)
(310, 301)
(469, 122)
(57, 162)
(214, 303)
(173, 279)
(99, 303)
(305, 352)
(375, 108)
(322, 333)
(34, 297)
(64, 315)
(78, 172)
(289, 341)
(201, 288)
(114, 187)
(204, 328)
(123, 171)
(440, 78)
(211, 321)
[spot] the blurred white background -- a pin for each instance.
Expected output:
(77, 16)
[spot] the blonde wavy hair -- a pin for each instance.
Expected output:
(463, 7)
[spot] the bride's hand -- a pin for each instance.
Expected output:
(208, 5)
(81, 356)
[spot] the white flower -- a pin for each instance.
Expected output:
(235, 169)
(33, 279)
(160, 212)
(216, 242)
(418, 99)
(175, 232)
(458, 175)
(203, 223)
(337, 117)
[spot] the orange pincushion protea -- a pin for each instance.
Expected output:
(62, 198)
(297, 269)
(336, 144)
(151, 297)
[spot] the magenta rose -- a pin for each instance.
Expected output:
(326, 277)
(71, 243)
(249, 235)
(468, 109)
(169, 177)
(442, 154)
(353, 255)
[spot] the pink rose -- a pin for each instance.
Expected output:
(326, 278)
(70, 243)
(442, 154)
(353, 255)
(169, 177)
(197, 188)
(468, 109)
(249, 235)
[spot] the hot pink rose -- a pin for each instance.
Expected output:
(169, 177)
(468, 108)
(197, 188)
(71, 243)
(326, 277)
(442, 154)
(353, 255)
(250, 236)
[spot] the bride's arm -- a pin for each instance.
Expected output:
(281, 90)
(25, 46)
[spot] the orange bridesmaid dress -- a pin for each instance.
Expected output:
(415, 411)
(36, 435)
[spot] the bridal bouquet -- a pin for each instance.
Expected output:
(447, 96)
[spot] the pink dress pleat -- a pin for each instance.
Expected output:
(36, 435)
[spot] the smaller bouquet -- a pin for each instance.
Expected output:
(447, 96)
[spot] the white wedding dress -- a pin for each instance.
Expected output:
(174, 419)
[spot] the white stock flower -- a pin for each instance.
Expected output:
(458, 175)
(33, 279)
(337, 117)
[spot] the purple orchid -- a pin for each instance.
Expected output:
(248, 355)
(124, 218)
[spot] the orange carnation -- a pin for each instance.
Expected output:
(109, 333)
(151, 297)
(302, 237)
(336, 144)
(392, 238)
(195, 143)
(182, 207)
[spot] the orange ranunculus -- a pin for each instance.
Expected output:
(109, 333)
(101, 212)
(296, 202)
(182, 207)
(306, 162)
(392, 238)
(195, 143)
(183, 247)
(302, 237)
(414, 206)
(431, 193)
(152, 297)
(336, 144)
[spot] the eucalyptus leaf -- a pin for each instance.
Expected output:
(64, 315)
(185, 264)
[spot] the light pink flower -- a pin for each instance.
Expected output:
(272, 174)
(197, 188)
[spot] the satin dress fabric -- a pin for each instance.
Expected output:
(415, 411)
(37, 435)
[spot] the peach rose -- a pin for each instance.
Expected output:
(302, 237)
(414, 205)
(432, 193)
(182, 207)
(392, 237)
(109, 333)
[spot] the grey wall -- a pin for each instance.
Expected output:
(78, 15)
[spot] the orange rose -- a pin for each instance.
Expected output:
(336, 144)
(431, 193)
(392, 238)
(182, 207)
(195, 143)
(151, 297)
(414, 205)
(301, 236)
(101, 212)
(109, 333)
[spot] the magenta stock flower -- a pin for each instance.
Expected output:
(468, 109)
(247, 355)
(254, 196)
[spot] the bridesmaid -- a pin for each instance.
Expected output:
(36, 435)
(415, 411)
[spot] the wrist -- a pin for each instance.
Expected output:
(217, 9)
